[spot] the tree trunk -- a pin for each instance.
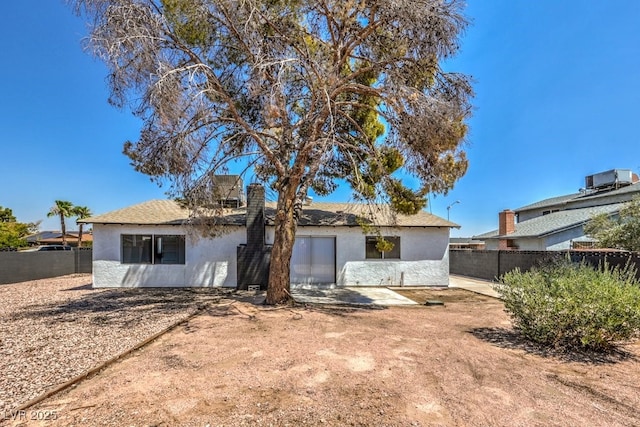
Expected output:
(64, 229)
(278, 291)
(80, 235)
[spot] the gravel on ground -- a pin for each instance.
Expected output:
(52, 330)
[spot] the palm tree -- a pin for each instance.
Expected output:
(81, 212)
(63, 209)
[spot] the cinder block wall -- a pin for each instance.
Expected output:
(490, 265)
(84, 260)
(22, 266)
(479, 264)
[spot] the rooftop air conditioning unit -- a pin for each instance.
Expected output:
(614, 177)
(227, 190)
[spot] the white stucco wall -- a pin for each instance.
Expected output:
(424, 253)
(212, 262)
(208, 262)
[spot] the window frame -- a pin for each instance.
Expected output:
(155, 249)
(396, 240)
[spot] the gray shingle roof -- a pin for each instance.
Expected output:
(553, 222)
(158, 212)
(566, 200)
(552, 201)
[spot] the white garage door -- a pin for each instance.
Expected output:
(314, 260)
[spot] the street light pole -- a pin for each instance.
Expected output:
(449, 208)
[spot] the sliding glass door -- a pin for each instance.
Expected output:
(314, 260)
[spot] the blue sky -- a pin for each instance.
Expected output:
(557, 98)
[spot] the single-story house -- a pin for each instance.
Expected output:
(151, 245)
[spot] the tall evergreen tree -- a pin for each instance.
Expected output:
(312, 93)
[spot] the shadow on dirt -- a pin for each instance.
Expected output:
(86, 287)
(339, 310)
(511, 339)
(108, 306)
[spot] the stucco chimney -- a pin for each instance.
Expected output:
(255, 216)
(506, 222)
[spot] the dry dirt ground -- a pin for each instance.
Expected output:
(459, 364)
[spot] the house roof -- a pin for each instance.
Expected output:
(169, 212)
(153, 212)
(346, 214)
(47, 235)
(552, 201)
(554, 222)
(567, 199)
(465, 240)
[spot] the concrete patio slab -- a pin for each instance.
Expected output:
(357, 296)
(475, 285)
(379, 295)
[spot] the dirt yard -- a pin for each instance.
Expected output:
(459, 364)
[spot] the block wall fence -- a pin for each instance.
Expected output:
(22, 266)
(490, 265)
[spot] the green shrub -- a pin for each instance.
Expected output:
(573, 306)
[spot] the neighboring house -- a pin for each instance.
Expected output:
(558, 223)
(466, 243)
(149, 245)
(55, 238)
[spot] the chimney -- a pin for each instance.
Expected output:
(255, 217)
(506, 222)
(254, 258)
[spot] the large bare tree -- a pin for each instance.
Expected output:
(312, 93)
